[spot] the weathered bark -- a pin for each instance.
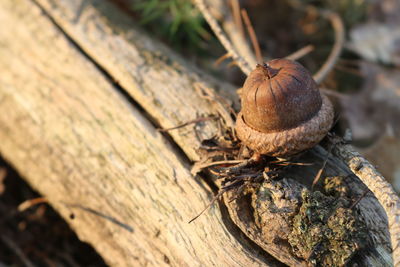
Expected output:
(81, 92)
(70, 132)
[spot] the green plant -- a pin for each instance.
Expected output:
(178, 20)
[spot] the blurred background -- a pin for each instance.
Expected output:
(364, 85)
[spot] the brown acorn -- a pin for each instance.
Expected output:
(283, 112)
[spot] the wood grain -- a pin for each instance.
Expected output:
(81, 94)
(81, 144)
(153, 75)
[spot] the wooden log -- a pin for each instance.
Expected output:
(78, 141)
(84, 90)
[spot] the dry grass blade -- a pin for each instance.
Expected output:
(222, 162)
(221, 59)
(318, 176)
(301, 52)
(202, 119)
(334, 93)
(30, 203)
(359, 199)
(244, 66)
(330, 62)
(209, 204)
(253, 36)
(229, 184)
(236, 15)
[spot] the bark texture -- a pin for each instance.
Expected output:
(82, 91)
(80, 142)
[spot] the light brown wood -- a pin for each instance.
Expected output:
(153, 75)
(87, 141)
(79, 142)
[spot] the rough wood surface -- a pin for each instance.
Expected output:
(79, 142)
(77, 136)
(284, 196)
(384, 192)
(154, 76)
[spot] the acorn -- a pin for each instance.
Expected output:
(283, 111)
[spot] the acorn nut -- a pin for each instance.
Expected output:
(283, 112)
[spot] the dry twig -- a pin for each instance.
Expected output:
(244, 66)
(236, 15)
(301, 52)
(333, 93)
(330, 62)
(253, 36)
(30, 203)
(194, 121)
(233, 26)
(222, 162)
(359, 199)
(221, 59)
(215, 198)
(318, 176)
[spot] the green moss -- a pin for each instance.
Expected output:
(325, 232)
(335, 186)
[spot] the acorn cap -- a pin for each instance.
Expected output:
(283, 111)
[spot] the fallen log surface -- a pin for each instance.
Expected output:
(70, 132)
(82, 93)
